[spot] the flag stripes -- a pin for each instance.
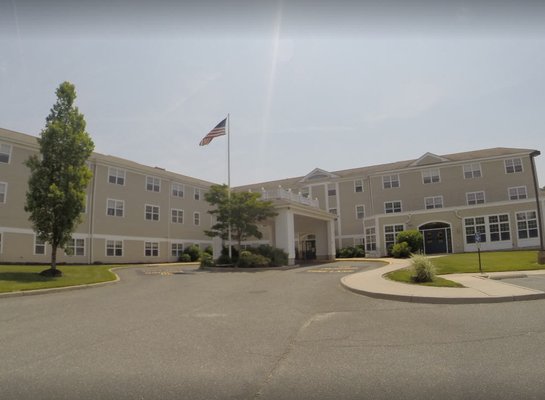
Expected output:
(219, 130)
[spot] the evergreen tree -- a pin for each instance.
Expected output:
(59, 176)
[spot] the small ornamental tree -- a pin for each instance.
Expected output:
(241, 210)
(59, 176)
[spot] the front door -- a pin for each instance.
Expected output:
(435, 241)
(309, 249)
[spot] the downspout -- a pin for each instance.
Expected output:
(92, 215)
(541, 254)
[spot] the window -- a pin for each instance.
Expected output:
(5, 153)
(431, 176)
(433, 202)
(177, 190)
(39, 246)
(76, 247)
(392, 207)
(333, 211)
(115, 208)
(331, 190)
(358, 185)
(527, 225)
(499, 227)
(390, 234)
(518, 193)
(360, 211)
(0, 242)
(197, 193)
(177, 249)
(475, 198)
(473, 226)
(151, 249)
(177, 216)
(196, 218)
(153, 184)
(116, 176)
(513, 165)
(370, 239)
(472, 171)
(152, 213)
(3, 192)
(390, 181)
(305, 192)
(114, 248)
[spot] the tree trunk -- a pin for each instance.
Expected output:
(52, 272)
(53, 257)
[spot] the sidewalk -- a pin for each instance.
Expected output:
(478, 289)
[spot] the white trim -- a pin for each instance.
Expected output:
(114, 240)
(180, 185)
(74, 238)
(398, 180)
(428, 154)
(116, 176)
(356, 209)
(516, 188)
(393, 207)
(115, 208)
(471, 165)
(476, 200)
(430, 174)
(196, 213)
(356, 186)
(514, 160)
(153, 178)
(1, 241)
(151, 249)
(152, 213)
(177, 216)
(34, 247)
(5, 192)
(9, 153)
(433, 198)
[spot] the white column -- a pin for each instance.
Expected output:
(284, 235)
(331, 239)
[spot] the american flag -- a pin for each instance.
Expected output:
(219, 130)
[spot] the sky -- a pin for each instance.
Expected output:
(307, 84)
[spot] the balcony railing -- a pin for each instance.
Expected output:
(283, 194)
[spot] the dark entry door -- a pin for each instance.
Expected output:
(435, 241)
(309, 249)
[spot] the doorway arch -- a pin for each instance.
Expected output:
(437, 237)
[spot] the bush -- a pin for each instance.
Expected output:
(423, 269)
(401, 250)
(234, 253)
(209, 250)
(351, 252)
(277, 257)
(247, 259)
(207, 260)
(194, 252)
(184, 258)
(224, 260)
(413, 238)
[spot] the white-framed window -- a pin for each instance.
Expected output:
(197, 193)
(177, 249)
(116, 176)
(390, 181)
(472, 171)
(196, 218)
(359, 241)
(390, 234)
(392, 207)
(493, 228)
(431, 176)
(513, 165)
(518, 193)
(177, 216)
(305, 191)
(527, 225)
(333, 211)
(475, 225)
(151, 249)
(433, 202)
(370, 239)
(5, 153)
(473, 198)
(153, 184)
(500, 229)
(360, 211)
(3, 192)
(177, 190)
(76, 247)
(331, 189)
(0, 242)
(358, 185)
(114, 248)
(152, 212)
(115, 208)
(39, 246)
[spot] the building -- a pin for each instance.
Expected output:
(137, 213)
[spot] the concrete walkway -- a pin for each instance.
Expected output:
(478, 288)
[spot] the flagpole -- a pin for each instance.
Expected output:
(229, 178)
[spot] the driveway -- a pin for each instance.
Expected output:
(173, 333)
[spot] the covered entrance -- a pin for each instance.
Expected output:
(437, 237)
(307, 249)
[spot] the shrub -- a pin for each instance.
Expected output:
(184, 258)
(247, 259)
(423, 269)
(351, 252)
(193, 251)
(224, 260)
(209, 250)
(277, 257)
(234, 253)
(401, 250)
(413, 238)
(207, 260)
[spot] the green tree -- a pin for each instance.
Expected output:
(59, 176)
(242, 210)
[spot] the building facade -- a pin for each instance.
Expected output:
(137, 213)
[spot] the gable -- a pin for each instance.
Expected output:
(429, 158)
(318, 174)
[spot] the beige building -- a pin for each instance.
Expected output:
(137, 213)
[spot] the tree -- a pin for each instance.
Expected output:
(242, 210)
(59, 176)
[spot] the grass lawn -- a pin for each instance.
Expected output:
(495, 261)
(26, 277)
(404, 275)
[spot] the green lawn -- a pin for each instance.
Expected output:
(491, 262)
(26, 277)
